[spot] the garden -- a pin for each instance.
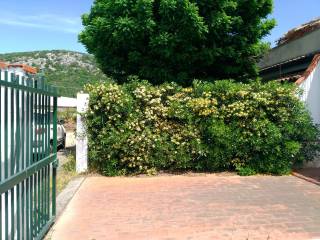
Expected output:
(250, 128)
(189, 98)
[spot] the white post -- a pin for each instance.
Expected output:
(81, 138)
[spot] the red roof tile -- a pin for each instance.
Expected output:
(3, 65)
(26, 68)
(299, 32)
(312, 66)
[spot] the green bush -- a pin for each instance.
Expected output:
(70, 165)
(251, 128)
(68, 115)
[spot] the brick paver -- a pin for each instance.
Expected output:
(192, 208)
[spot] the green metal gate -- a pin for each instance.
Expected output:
(28, 119)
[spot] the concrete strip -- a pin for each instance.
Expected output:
(66, 195)
(64, 198)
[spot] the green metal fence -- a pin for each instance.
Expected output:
(28, 130)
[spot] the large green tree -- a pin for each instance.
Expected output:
(177, 40)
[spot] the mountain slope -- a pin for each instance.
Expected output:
(67, 70)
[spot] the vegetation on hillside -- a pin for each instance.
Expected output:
(67, 70)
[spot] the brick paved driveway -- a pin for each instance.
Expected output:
(192, 207)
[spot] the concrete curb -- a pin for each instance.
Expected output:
(64, 198)
(67, 194)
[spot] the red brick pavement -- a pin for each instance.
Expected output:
(193, 208)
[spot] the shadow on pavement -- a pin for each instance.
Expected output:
(309, 174)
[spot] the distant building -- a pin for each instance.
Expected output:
(296, 58)
(22, 69)
(3, 65)
(64, 103)
(18, 69)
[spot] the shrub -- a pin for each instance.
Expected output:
(68, 115)
(251, 128)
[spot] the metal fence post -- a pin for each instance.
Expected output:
(26, 162)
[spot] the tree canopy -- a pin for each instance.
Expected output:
(177, 40)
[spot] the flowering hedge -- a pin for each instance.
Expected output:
(252, 128)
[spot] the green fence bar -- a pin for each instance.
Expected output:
(28, 160)
(6, 154)
(1, 150)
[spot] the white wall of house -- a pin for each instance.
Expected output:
(17, 71)
(311, 97)
(311, 93)
(66, 102)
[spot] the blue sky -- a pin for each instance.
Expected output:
(54, 24)
(28, 25)
(292, 13)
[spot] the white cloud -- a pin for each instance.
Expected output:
(43, 21)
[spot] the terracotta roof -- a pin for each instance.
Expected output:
(26, 68)
(312, 66)
(290, 77)
(299, 32)
(3, 65)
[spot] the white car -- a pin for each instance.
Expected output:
(41, 131)
(61, 134)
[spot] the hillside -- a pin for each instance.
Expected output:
(67, 70)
